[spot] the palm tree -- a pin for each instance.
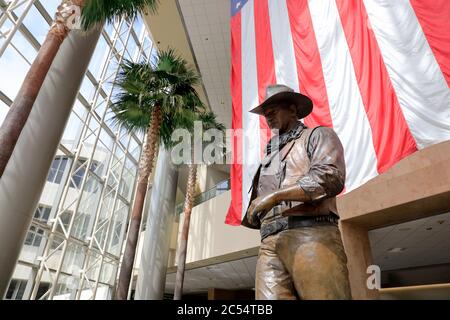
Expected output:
(92, 13)
(208, 120)
(153, 98)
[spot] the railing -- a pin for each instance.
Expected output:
(218, 189)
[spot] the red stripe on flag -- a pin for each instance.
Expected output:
(234, 215)
(392, 138)
(434, 18)
(265, 64)
(309, 66)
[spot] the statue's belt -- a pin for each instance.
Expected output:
(293, 222)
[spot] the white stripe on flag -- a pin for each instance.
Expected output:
(250, 123)
(420, 86)
(283, 46)
(346, 106)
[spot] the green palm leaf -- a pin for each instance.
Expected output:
(168, 83)
(95, 11)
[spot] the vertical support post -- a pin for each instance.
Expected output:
(155, 253)
(359, 255)
(25, 175)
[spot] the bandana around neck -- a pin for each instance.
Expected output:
(278, 142)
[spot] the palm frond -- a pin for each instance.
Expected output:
(129, 114)
(168, 84)
(209, 121)
(95, 11)
(172, 122)
(172, 67)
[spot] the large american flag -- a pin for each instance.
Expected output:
(378, 72)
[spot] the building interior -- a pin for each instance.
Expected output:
(74, 244)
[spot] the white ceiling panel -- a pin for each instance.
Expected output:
(208, 26)
(411, 244)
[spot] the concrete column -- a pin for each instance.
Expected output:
(24, 178)
(359, 256)
(155, 252)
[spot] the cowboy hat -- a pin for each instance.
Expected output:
(279, 93)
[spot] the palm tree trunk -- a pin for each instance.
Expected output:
(188, 204)
(145, 170)
(24, 101)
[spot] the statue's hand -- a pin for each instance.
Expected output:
(260, 206)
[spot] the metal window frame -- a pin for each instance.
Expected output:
(116, 42)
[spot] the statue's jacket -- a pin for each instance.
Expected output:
(313, 159)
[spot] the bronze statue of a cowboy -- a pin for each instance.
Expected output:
(293, 203)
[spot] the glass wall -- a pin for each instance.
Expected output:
(73, 246)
